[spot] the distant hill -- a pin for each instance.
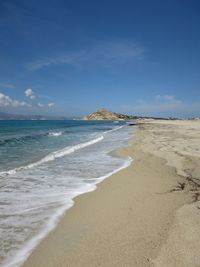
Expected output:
(104, 114)
(7, 116)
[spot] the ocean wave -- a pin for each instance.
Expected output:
(52, 156)
(55, 133)
(114, 129)
(47, 191)
(22, 139)
(28, 247)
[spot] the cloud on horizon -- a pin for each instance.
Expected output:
(164, 105)
(170, 99)
(104, 53)
(6, 101)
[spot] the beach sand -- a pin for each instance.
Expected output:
(145, 215)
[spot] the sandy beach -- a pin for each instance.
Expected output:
(145, 215)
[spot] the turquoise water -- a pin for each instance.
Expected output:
(23, 142)
(43, 166)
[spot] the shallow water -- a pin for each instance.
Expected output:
(43, 166)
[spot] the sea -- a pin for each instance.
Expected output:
(44, 165)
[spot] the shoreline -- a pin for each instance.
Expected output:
(126, 221)
(52, 223)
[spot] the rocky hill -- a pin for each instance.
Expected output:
(104, 114)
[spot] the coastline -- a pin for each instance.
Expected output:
(133, 217)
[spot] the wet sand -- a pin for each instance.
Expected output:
(145, 215)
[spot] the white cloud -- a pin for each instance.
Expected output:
(104, 53)
(6, 101)
(172, 99)
(169, 97)
(40, 105)
(51, 105)
(28, 92)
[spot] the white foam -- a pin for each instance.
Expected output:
(52, 156)
(23, 254)
(16, 258)
(115, 129)
(55, 133)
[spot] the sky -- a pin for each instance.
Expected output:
(69, 58)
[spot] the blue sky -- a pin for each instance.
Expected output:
(68, 58)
